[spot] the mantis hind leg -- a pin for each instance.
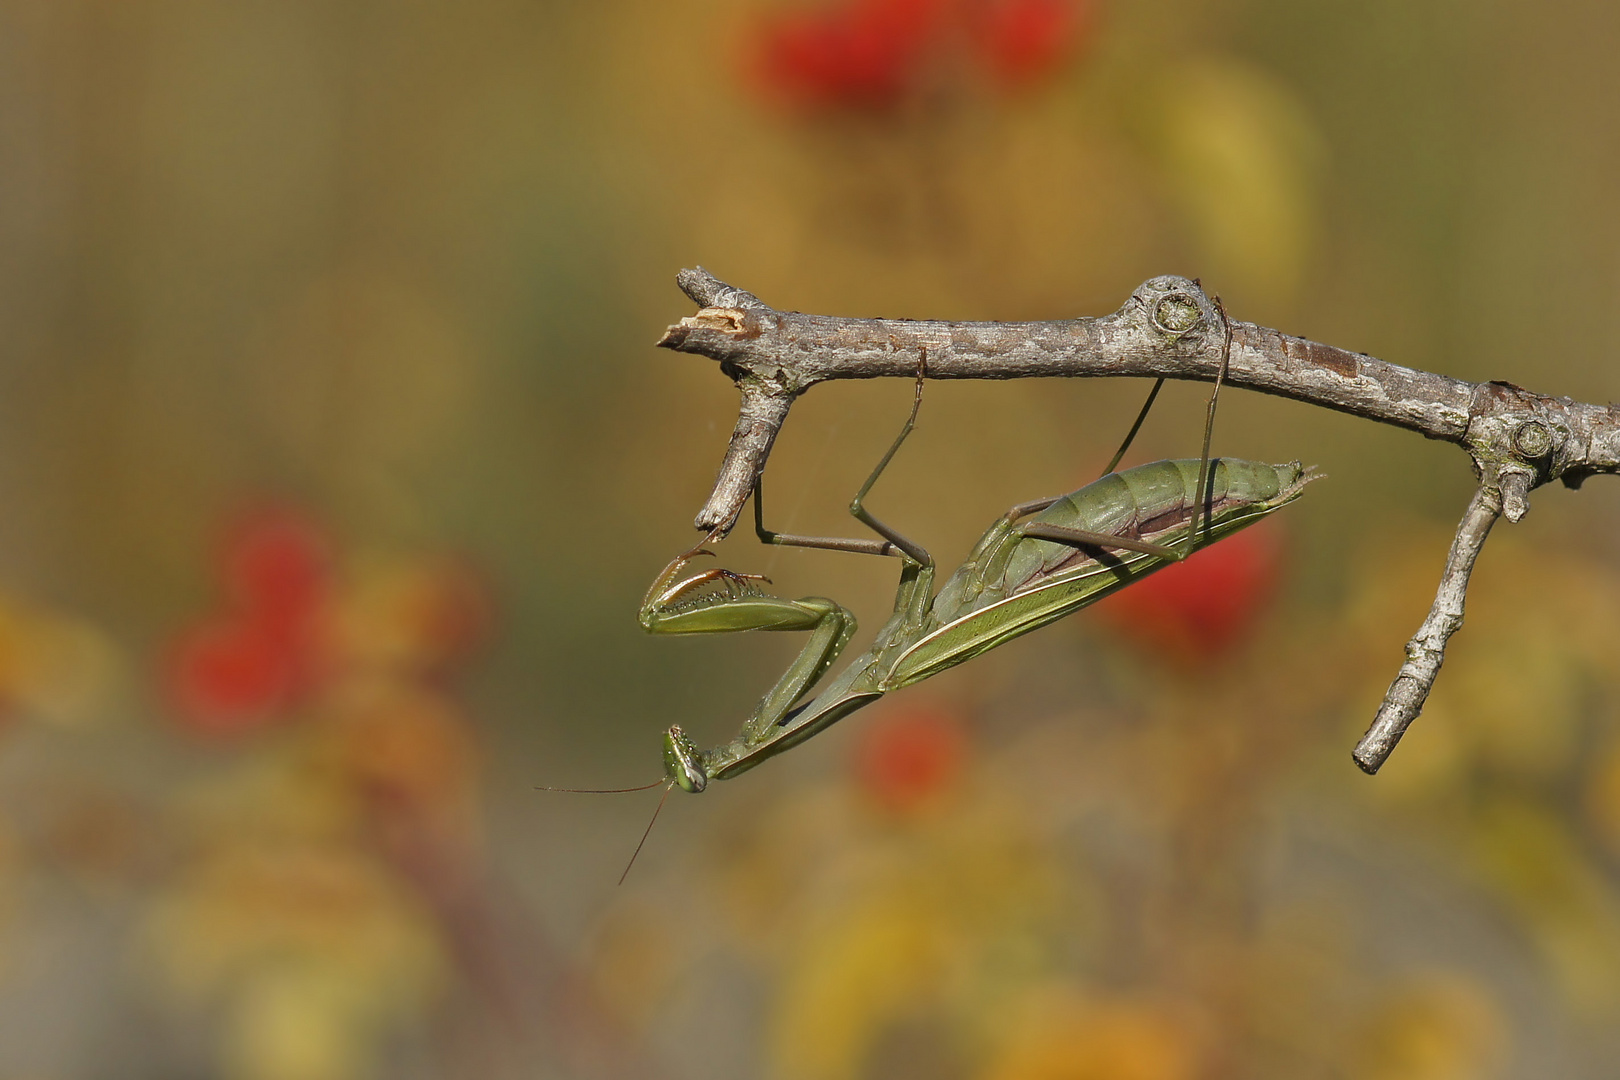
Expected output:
(1206, 479)
(857, 506)
(914, 591)
(1202, 505)
(988, 560)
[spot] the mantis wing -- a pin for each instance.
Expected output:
(1020, 583)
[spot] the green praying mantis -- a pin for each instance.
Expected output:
(1038, 562)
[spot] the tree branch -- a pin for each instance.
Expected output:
(1427, 649)
(1169, 327)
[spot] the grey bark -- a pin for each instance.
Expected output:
(1169, 327)
(1427, 649)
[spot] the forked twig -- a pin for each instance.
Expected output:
(1427, 649)
(1168, 329)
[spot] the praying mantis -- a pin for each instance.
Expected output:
(1038, 562)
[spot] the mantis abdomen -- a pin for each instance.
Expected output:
(1013, 583)
(1153, 502)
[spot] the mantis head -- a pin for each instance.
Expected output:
(681, 762)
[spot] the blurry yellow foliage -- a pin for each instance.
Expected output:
(896, 930)
(761, 860)
(1568, 904)
(633, 959)
(1439, 1027)
(309, 946)
(407, 752)
(1239, 156)
(302, 1020)
(51, 666)
(1603, 797)
(407, 615)
(1519, 681)
(299, 911)
(320, 870)
(263, 907)
(285, 794)
(1528, 682)
(884, 961)
(1062, 1034)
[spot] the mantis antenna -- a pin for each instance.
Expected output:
(662, 799)
(600, 790)
(622, 791)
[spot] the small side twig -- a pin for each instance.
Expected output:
(1427, 649)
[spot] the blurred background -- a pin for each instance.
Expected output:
(335, 457)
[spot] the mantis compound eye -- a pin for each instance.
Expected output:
(681, 762)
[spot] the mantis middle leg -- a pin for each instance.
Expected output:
(912, 595)
(1201, 508)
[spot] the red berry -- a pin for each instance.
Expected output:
(277, 566)
(907, 761)
(1024, 40)
(229, 678)
(1204, 607)
(863, 55)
